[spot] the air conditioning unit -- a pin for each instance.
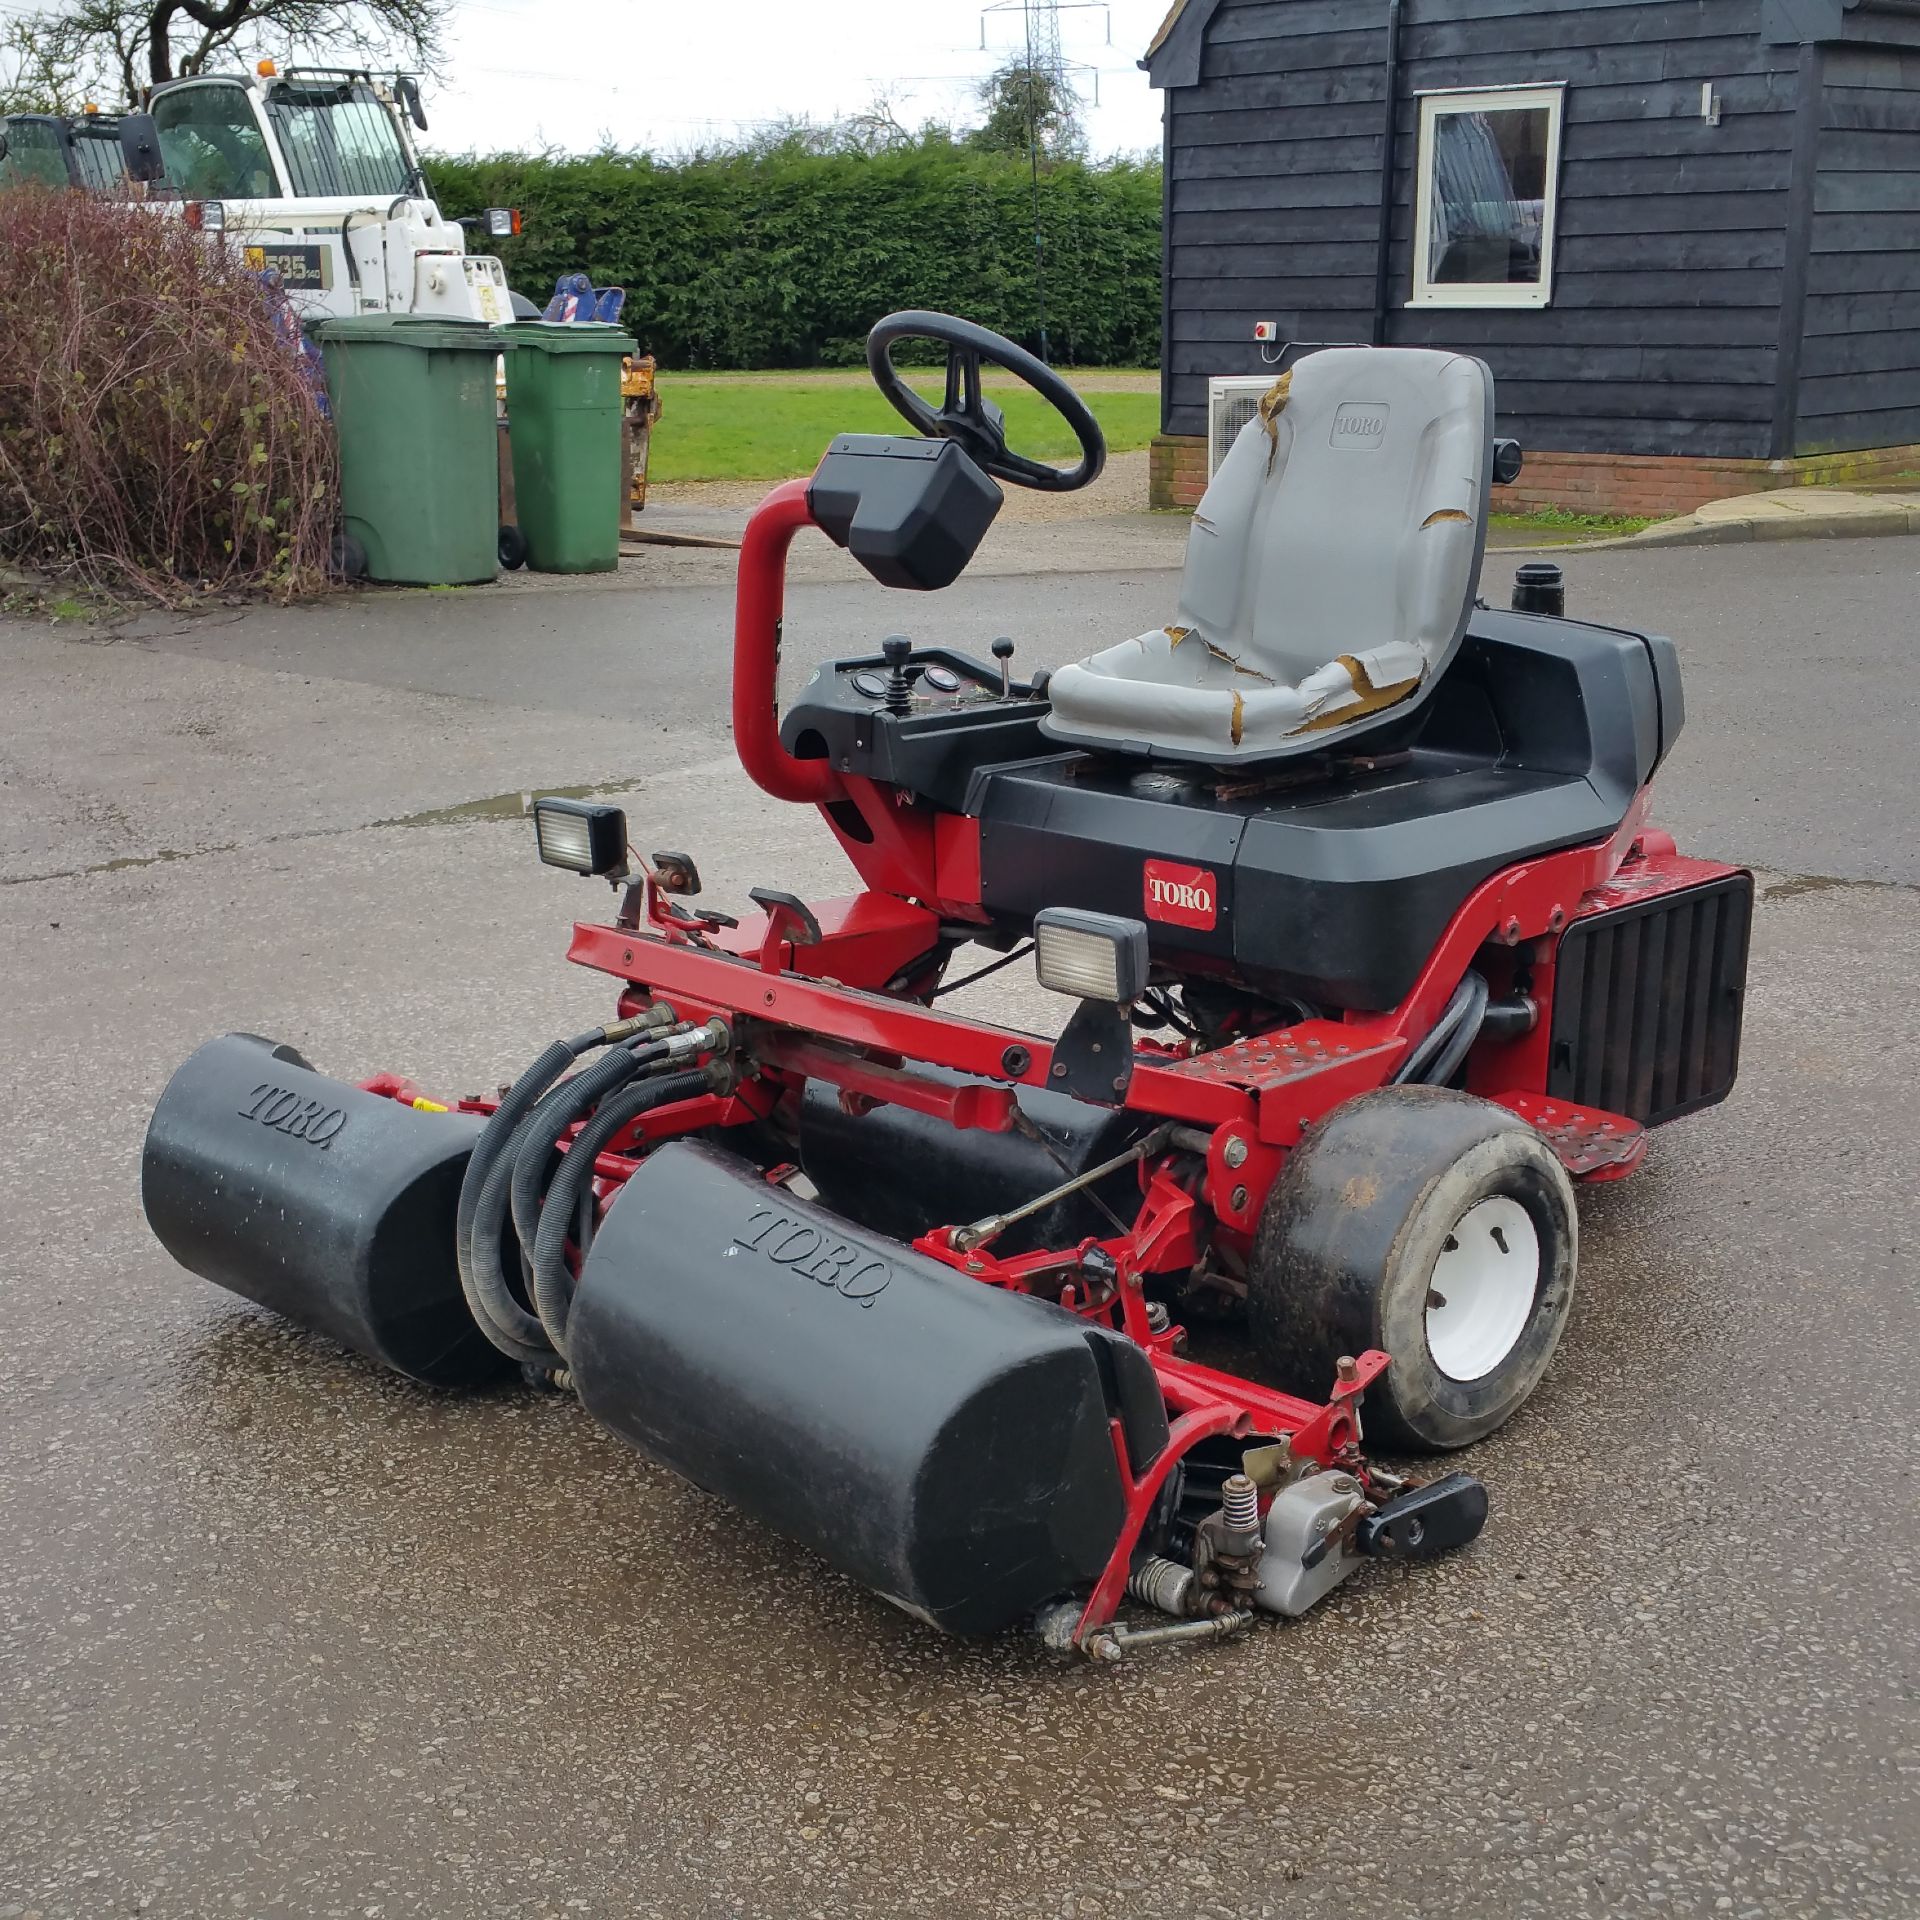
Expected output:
(1232, 400)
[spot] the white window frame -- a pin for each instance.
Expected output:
(1551, 96)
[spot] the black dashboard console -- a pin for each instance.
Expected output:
(913, 512)
(953, 720)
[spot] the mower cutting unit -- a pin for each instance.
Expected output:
(1374, 951)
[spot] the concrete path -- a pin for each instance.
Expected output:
(1790, 513)
(286, 1639)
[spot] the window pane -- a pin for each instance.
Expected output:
(34, 153)
(339, 141)
(101, 168)
(212, 145)
(1489, 196)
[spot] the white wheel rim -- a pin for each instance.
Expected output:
(1482, 1291)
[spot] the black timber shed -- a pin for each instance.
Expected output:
(1695, 223)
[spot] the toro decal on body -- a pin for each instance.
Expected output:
(1182, 896)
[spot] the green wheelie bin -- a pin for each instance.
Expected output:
(563, 415)
(413, 403)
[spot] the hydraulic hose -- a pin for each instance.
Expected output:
(520, 1100)
(536, 1141)
(492, 1280)
(1448, 1061)
(552, 1280)
(1446, 1044)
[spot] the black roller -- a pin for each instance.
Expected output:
(942, 1442)
(332, 1206)
(900, 1172)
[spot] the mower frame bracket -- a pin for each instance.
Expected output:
(724, 983)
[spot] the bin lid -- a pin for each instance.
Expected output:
(570, 336)
(422, 330)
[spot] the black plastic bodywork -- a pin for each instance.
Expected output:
(332, 1206)
(946, 1444)
(1333, 878)
(901, 1173)
(1648, 1001)
(912, 512)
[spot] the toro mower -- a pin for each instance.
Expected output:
(1369, 955)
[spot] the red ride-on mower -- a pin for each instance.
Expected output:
(1375, 956)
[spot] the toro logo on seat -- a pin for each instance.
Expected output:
(1361, 423)
(1182, 896)
(853, 1272)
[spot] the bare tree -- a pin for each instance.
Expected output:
(877, 128)
(130, 46)
(31, 79)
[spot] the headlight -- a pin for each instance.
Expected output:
(502, 222)
(1093, 956)
(581, 837)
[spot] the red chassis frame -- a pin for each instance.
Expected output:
(841, 1010)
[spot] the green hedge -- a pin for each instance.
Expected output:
(785, 259)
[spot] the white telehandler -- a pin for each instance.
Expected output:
(312, 172)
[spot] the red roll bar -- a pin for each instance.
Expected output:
(758, 603)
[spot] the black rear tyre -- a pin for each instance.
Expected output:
(1436, 1227)
(513, 547)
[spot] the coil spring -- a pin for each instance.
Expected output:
(1240, 1504)
(1162, 1584)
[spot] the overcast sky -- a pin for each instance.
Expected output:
(566, 73)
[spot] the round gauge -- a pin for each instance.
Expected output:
(870, 686)
(942, 679)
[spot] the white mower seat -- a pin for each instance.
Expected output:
(1330, 572)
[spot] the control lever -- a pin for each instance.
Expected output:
(1003, 652)
(896, 652)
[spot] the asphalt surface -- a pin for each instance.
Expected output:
(281, 1635)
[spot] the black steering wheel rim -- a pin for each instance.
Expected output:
(967, 416)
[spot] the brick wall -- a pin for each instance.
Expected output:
(1602, 483)
(1176, 470)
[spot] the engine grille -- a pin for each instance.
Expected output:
(1647, 1002)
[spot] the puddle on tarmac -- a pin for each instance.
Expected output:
(506, 806)
(495, 806)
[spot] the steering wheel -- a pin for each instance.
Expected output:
(967, 416)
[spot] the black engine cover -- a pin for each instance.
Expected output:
(942, 1442)
(1334, 884)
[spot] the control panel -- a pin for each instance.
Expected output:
(922, 718)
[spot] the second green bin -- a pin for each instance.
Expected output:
(564, 413)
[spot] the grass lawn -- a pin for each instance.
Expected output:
(735, 427)
(1574, 526)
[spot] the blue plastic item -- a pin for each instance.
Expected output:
(572, 292)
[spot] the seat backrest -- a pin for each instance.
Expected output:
(1349, 518)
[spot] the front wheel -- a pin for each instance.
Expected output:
(1436, 1227)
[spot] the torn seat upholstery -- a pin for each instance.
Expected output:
(1330, 572)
